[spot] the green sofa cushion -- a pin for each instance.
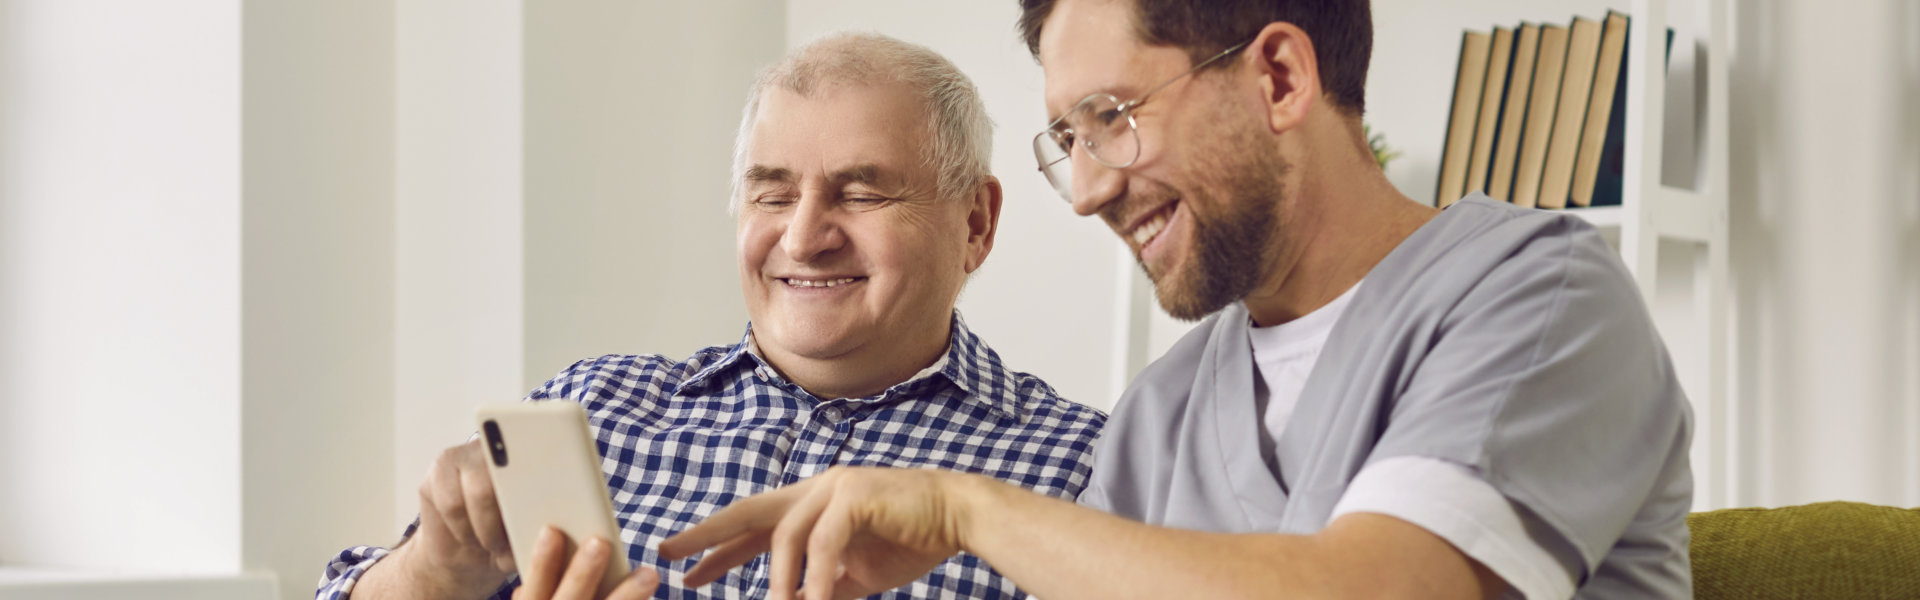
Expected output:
(1826, 550)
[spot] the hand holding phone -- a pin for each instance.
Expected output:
(545, 471)
(459, 548)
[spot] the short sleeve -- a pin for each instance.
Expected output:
(1452, 502)
(1548, 379)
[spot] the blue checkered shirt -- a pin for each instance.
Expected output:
(680, 440)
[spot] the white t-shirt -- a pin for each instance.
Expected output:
(1449, 499)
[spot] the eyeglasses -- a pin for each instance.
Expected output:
(1103, 126)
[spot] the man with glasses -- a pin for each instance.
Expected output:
(862, 201)
(1389, 400)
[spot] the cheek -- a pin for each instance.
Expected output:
(929, 255)
(754, 239)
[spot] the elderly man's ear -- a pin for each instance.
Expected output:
(983, 220)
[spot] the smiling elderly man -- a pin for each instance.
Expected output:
(862, 202)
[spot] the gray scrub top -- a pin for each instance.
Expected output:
(1509, 340)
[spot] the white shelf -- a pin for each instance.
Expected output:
(1652, 212)
(24, 583)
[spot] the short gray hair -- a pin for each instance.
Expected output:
(961, 148)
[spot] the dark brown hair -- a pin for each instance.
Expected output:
(1341, 30)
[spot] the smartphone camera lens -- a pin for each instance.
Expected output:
(496, 443)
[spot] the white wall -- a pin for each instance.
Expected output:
(120, 252)
(631, 109)
(1826, 239)
(457, 280)
(318, 282)
(1045, 297)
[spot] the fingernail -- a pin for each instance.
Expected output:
(546, 534)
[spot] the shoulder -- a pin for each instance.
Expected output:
(1044, 408)
(1490, 233)
(1022, 401)
(1479, 258)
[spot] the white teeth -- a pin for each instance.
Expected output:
(1146, 231)
(823, 283)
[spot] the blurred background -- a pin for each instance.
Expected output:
(259, 260)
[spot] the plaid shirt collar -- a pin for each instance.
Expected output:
(968, 364)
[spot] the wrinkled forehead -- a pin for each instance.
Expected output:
(873, 130)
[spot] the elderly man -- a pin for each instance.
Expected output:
(863, 201)
(1390, 401)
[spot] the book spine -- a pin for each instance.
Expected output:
(1513, 112)
(1576, 94)
(1540, 116)
(1499, 73)
(1467, 84)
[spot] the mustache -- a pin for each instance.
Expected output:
(1115, 213)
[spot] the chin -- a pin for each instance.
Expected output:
(811, 339)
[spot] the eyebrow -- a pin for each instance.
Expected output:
(864, 173)
(766, 174)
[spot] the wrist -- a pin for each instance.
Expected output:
(421, 576)
(974, 501)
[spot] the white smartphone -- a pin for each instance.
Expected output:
(546, 471)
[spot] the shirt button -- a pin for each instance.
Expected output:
(832, 414)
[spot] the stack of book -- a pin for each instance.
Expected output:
(1539, 115)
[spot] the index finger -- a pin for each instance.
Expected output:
(757, 513)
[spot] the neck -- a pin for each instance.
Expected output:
(1345, 217)
(865, 371)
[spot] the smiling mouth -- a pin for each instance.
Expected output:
(1151, 228)
(819, 283)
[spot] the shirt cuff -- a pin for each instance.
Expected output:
(346, 569)
(1452, 501)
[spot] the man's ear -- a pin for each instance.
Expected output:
(983, 221)
(1289, 74)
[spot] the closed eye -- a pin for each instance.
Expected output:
(774, 200)
(866, 200)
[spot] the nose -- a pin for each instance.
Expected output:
(813, 230)
(1094, 184)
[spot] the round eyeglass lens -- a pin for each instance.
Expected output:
(1105, 130)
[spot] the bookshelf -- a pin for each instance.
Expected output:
(1654, 224)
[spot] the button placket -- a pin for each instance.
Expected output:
(820, 440)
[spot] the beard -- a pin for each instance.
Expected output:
(1235, 213)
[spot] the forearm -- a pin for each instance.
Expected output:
(401, 574)
(388, 579)
(1057, 550)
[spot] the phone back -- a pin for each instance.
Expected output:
(546, 471)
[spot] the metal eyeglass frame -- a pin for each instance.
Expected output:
(1053, 136)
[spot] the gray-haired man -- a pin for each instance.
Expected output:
(862, 202)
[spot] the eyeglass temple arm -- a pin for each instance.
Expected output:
(1130, 104)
